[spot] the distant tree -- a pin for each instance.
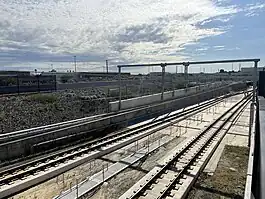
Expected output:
(53, 71)
(222, 71)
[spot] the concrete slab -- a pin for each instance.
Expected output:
(190, 131)
(236, 136)
(112, 170)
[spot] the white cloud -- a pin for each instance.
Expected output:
(218, 47)
(202, 49)
(254, 9)
(99, 26)
(256, 6)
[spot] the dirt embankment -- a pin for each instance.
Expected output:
(26, 111)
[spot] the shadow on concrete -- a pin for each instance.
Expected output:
(137, 167)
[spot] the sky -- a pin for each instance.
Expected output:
(45, 34)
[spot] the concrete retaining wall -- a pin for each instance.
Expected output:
(150, 99)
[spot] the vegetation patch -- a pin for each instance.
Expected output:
(43, 98)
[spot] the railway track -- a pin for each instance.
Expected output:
(153, 123)
(177, 175)
(17, 178)
(12, 136)
(19, 147)
(44, 146)
(7, 137)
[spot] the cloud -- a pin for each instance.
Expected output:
(256, 6)
(218, 47)
(254, 9)
(202, 49)
(123, 31)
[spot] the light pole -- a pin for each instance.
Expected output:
(75, 63)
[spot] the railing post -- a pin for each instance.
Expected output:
(119, 87)
(252, 108)
(255, 71)
(163, 66)
(186, 65)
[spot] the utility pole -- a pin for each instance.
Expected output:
(75, 63)
(107, 66)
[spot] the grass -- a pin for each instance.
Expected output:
(43, 98)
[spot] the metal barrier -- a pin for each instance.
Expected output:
(186, 66)
(12, 84)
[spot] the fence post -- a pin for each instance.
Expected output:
(126, 91)
(38, 81)
(55, 83)
(76, 188)
(17, 84)
(103, 173)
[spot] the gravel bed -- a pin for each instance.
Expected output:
(27, 111)
(228, 181)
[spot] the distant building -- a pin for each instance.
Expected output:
(249, 70)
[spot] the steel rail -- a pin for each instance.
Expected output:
(208, 142)
(122, 134)
(86, 132)
(53, 128)
(53, 153)
(139, 192)
(78, 134)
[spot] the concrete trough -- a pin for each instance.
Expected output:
(23, 147)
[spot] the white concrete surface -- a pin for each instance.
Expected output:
(112, 170)
(189, 128)
(236, 136)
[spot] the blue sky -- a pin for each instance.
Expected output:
(43, 34)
